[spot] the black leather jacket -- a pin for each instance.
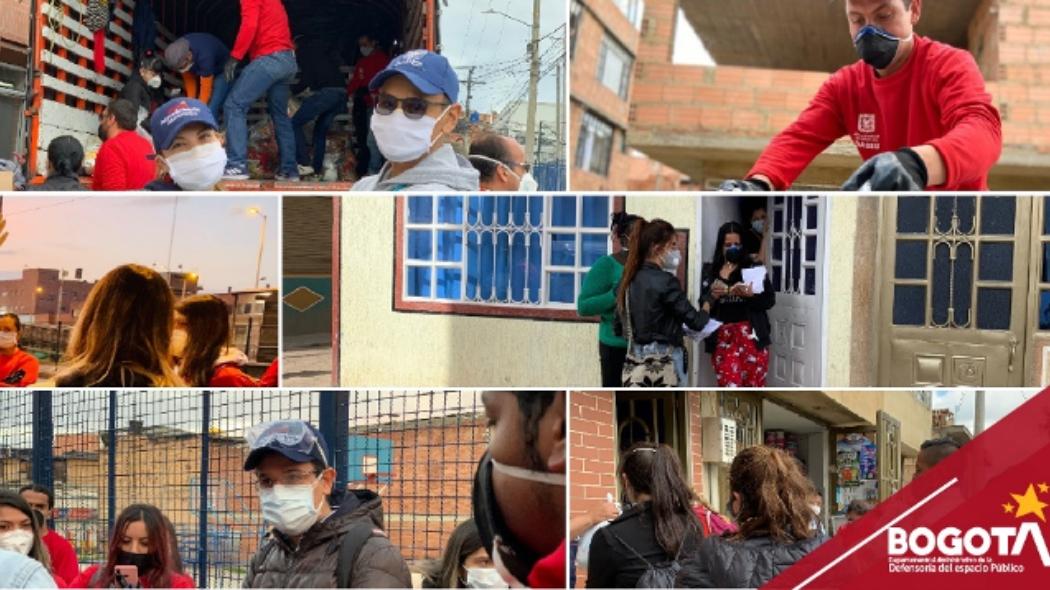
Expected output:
(726, 562)
(659, 307)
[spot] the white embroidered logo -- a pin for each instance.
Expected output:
(866, 123)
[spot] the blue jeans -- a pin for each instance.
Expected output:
(268, 75)
(677, 356)
(219, 89)
(324, 105)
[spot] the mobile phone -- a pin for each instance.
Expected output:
(127, 575)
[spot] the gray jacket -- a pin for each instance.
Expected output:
(314, 562)
(442, 171)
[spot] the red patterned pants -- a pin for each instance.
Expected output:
(737, 360)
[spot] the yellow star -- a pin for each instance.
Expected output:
(1044, 488)
(1029, 504)
(1008, 508)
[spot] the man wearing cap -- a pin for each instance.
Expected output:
(200, 58)
(190, 156)
(124, 162)
(266, 40)
(415, 111)
(321, 537)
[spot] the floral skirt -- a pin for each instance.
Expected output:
(737, 360)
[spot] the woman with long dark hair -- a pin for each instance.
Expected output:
(651, 305)
(464, 564)
(771, 504)
(123, 335)
(22, 530)
(740, 348)
(598, 298)
(657, 525)
(140, 538)
(201, 344)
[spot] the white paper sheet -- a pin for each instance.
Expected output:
(756, 278)
(709, 329)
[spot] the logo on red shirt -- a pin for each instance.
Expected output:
(866, 123)
(866, 136)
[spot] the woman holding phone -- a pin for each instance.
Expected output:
(740, 348)
(140, 554)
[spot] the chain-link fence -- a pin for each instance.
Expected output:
(184, 453)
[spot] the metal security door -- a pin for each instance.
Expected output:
(955, 295)
(888, 442)
(796, 263)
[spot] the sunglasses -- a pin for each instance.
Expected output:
(413, 107)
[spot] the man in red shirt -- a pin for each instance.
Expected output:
(917, 110)
(266, 39)
(372, 61)
(124, 162)
(63, 556)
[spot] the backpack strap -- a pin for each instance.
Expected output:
(349, 547)
(631, 549)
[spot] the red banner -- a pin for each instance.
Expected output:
(977, 519)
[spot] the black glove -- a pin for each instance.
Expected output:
(229, 71)
(902, 170)
(747, 185)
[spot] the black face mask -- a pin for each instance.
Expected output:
(143, 561)
(734, 254)
(876, 47)
(518, 559)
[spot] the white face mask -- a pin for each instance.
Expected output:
(401, 139)
(670, 260)
(544, 477)
(8, 339)
(528, 183)
(178, 341)
(199, 169)
(18, 540)
(153, 82)
(366, 50)
(290, 509)
(485, 577)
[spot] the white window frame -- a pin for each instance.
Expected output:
(547, 269)
(614, 47)
(589, 131)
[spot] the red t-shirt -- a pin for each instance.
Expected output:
(367, 67)
(63, 556)
(123, 163)
(19, 369)
(84, 580)
(549, 571)
(271, 376)
(264, 29)
(230, 375)
(938, 98)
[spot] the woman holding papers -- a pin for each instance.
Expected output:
(742, 294)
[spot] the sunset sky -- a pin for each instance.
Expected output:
(214, 236)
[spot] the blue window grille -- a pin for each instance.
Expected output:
(499, 250)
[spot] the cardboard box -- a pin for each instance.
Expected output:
(7, 180)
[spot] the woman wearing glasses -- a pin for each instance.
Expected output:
(415, 114)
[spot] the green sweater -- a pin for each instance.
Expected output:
(598, 298)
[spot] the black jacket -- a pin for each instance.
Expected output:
(726, 562)
(56, 183)
(139, 93)
(757, 306)
(659, 307)
(314, 561)
(318, 68)
(612, 565)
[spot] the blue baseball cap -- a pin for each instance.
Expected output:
(296, 440)
(429, 72)
(175, 114)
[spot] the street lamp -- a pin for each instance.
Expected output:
(534, 73)
(190, 276)
(255, 211)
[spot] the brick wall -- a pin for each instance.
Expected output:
(696, 457)
(592, 444)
